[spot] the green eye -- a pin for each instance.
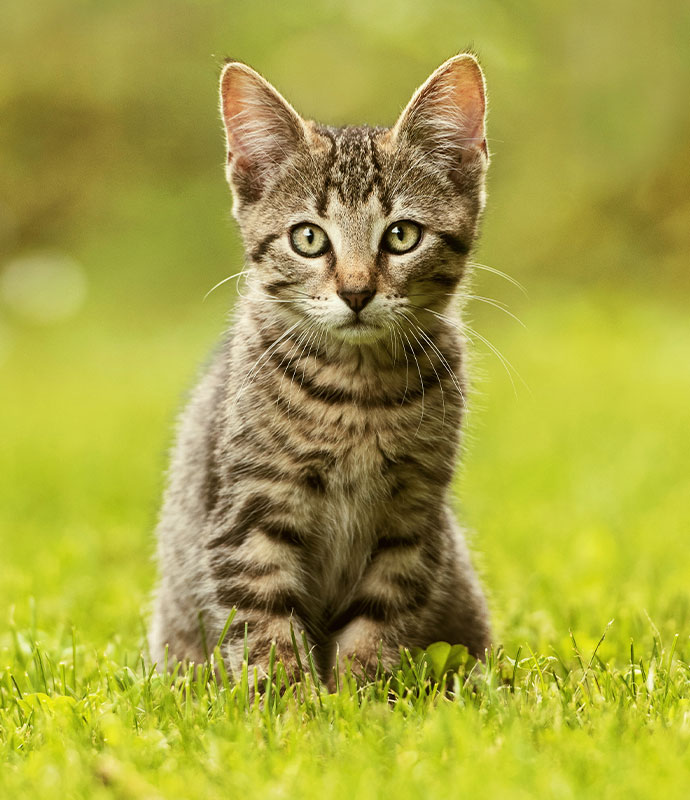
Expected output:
(309, 240)
(401, 237)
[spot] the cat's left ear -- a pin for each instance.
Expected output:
(263, 130)
(446, 115)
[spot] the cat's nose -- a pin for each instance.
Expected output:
(356, 300)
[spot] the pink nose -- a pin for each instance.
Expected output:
(356, 300)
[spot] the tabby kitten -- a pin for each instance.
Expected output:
(309, 482)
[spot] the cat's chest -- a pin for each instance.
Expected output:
(357, 467)
(350, 513)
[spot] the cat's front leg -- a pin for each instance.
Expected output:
(256, 561)
(262, 639)
(419, 588)
(365, 647)
(389, 605)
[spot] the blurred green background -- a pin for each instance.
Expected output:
(114, 223)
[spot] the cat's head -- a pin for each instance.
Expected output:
(357, 229)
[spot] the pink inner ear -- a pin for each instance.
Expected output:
(262, 129)
(239, 98)
(447, 112)
(471, 110)
(467, 94)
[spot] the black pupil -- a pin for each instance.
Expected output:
(309, 235)
(398, 231)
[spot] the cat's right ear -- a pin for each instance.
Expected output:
(262, 129)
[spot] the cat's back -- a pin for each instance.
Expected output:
(190, 477)
(191, 489)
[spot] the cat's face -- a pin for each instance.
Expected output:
(357, 229)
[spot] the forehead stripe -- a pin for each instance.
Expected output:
(353, 167)
(322, 200)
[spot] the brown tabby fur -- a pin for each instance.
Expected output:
(309, 481)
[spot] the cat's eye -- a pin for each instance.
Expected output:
(401, 237)
(309, 240)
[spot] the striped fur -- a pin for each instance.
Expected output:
(310, 476)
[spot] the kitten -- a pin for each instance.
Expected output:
(309, 482)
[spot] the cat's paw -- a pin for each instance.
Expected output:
(280, 663)
(366, 665)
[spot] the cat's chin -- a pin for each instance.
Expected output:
(358, 332)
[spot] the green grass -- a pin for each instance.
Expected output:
(576, 494)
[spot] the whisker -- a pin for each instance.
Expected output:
(496, 304)
(498, 272)
(289, 355)
(407, 360)
(506, 364)
(438, 378)
(421, 381)
(444, 361)
(266, 352)
(394, 342)
(225, 280)
(464, 328)
(268, 299)
(311, 342)
(294, 371)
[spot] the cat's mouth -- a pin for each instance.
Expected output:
(358, 330)
(358, 324)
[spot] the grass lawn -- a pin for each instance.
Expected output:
(577, 496)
